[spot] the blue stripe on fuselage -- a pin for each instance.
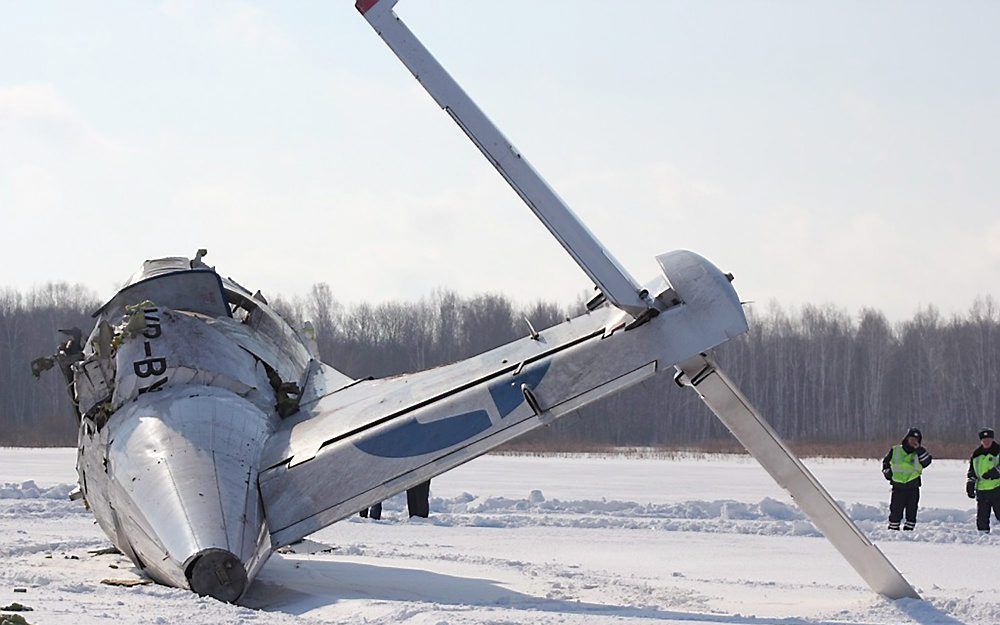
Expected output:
(412, 438)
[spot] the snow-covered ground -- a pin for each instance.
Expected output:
(517, 539)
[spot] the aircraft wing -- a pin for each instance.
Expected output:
(355, 445)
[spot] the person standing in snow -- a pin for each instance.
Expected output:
(418, 500)
(902, 466)
(984, 479)
(417, 503)
(374, 512)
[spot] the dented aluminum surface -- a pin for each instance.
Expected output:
(457, 412)
(176, 408)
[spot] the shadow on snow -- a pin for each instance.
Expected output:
(297, 586)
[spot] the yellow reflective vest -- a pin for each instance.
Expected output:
(981, 464)
(905, 467)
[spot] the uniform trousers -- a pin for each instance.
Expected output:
(904, 499)
(987, 501)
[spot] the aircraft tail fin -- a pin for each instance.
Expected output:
(596, 261)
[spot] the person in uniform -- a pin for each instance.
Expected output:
(902, 466)
(417, 503)
(418, 500)
(983, 484)
(374, 512)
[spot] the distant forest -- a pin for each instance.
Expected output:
(820, 375)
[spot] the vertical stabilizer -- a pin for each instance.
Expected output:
(597, 262)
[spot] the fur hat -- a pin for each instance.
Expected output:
(915, 432)
(986, 433)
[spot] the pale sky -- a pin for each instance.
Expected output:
(843, 152)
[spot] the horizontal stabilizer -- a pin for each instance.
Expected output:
(763, 443)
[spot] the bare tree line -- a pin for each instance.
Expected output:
(823, 376)
(38, 412)
(819, 373)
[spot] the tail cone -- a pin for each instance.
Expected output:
(218, 574)
(183, 479)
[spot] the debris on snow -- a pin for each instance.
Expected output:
(126, 583)
(307, 547)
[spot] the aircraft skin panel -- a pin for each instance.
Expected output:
(178, 349)
(364, 464)
(760, 439)
(332, 471)
(188, 453)
(265, 349)
(326, 417)
(322, 380)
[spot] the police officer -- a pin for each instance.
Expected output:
(984, 479)
(902, 467)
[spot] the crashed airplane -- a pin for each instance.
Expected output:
(211, 434)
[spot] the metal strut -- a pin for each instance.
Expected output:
(722, 396)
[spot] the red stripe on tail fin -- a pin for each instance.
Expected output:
(363, 5)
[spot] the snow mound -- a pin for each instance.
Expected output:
(30, 490)
(27, 500)
(766, 517)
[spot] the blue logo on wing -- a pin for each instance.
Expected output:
(412, 438)
(507, 394)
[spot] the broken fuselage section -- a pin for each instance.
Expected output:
(180, 384)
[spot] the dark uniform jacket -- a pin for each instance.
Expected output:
(923, 457)
(993, 450)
